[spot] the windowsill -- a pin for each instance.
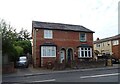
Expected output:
(84, 57)
(83, 41)
(48, 38)
(116, 45)
(48, 56)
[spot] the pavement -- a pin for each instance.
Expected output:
(23, 72)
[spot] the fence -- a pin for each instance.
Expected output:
(8, 68)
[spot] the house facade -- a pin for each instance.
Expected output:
(110, 45)
(60, 42)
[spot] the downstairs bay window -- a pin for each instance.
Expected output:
(48, 51)
(84, 52)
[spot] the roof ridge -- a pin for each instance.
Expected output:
(108, 38)
(59, 23)
(61, 26)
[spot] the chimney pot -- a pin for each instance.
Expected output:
(97, 39)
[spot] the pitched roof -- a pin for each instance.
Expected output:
(108, 39)
(59, 26)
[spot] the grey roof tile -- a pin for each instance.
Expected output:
(59, 26)
(108, 39)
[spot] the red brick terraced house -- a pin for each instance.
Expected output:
(60, 42)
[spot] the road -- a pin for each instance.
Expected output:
(110, 75)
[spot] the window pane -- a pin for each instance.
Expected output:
(82, 37)
(53, 51)
(47, 33)
(97, 45)
(103, 44)
(48, 51)
(50, 34)
(115, 42)
(88, 48)
(81, 48)
(85, 53)
(89, 53)
(43, 51)
(82, 53)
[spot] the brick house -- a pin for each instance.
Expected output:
(60, 42)
(110, 45)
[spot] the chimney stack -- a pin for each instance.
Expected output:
(97, 39)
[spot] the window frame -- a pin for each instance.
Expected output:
(115, 42)
(83, 50)
(97, 45)
(48, 34)
(81, 39)
(49, 52)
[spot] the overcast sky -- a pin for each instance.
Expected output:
(100, 16)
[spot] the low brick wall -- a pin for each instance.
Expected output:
(8, 68)
(59, 66)
(77, 64)
(91, 64)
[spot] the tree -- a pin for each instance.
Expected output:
(19, 51)
(24, 41)
(14, 44)
(26, 45)
(23, 34)
(8, 37)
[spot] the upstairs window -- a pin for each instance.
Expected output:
(115, 42)
(103, 44)
(82, 37)
(48, 34)
(97, 45)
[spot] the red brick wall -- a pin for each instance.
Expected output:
(48, 59)
(64, 39)
(116, 50)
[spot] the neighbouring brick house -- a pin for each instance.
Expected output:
(110, 45)
(60, 42)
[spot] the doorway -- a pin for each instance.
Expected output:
(62, 55)
(69, 55)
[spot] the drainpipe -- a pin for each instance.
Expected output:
(34, 47)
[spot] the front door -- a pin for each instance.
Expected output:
(70, 55)
(62, 55)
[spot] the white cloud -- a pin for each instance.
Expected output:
(97, 15)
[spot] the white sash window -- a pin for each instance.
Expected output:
(48, 51)
(84, 52)
(48, 34)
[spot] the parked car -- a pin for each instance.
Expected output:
(22, 62)
(115, 61)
